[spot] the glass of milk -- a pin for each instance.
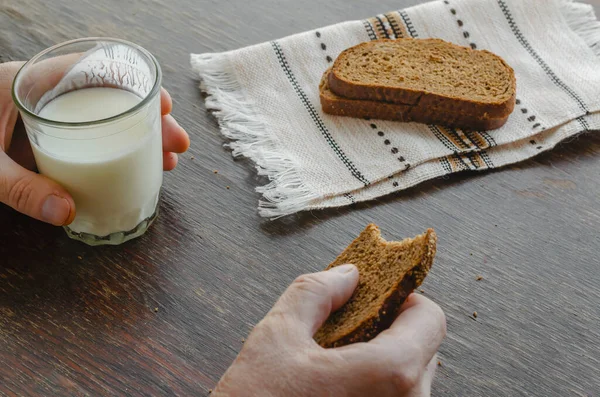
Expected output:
(91, 108)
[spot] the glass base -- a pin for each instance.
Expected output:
(114, 238)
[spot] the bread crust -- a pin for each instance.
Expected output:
(339, 106)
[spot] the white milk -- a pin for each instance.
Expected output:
(114, 170)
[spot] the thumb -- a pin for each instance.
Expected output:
(34, 194)
(311, 298)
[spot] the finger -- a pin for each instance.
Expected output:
(418, 331)
(422, 388)
(8, 111)
(174, 138)
(428, 376)
(33, 194)
(170, 161)
(400, 354)
(166, 103)
(311, 298)
(19, 148)
(8, 71)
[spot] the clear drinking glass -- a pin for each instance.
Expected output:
(91, 108)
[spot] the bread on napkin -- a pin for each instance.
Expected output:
(425, 80)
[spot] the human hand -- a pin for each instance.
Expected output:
(34, 194)
(280, 357)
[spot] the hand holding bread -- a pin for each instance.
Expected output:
(281, 357)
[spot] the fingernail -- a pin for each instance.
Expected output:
(56, 210)
(343, 268)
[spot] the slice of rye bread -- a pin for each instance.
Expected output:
(389, 272)
(428, 73)
(339, 106)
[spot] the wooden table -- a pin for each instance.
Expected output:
(166, 314)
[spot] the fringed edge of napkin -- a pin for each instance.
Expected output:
(581, 18)
(286, 192)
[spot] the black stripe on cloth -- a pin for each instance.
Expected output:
(491, 141)
(394, 26)
(472, 138)
(482, 153)
(454, 133)
(487, 159)
(315, 115)
(439, 135)
(446, 164)
(382, 27)
(525, 43)
(471, 157)
(465, 166)
(370, 30)
(350, 198)
(409, 25)
(584, 123)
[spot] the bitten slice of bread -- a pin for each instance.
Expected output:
(389, 272)
(339, 106)
(426, 72)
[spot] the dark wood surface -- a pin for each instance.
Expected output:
(76, 320)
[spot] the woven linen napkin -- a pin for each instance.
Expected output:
(266, 98)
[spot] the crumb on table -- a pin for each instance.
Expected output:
(475, 314)
(479, 278)
(155, 309)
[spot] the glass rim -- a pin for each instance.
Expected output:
(155, 88)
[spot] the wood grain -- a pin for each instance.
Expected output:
(76, 320)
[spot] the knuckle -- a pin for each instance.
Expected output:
(312, 287)
(310, 283)
(275, 318)
(20, 194)
(406, 377)
(276, 326)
